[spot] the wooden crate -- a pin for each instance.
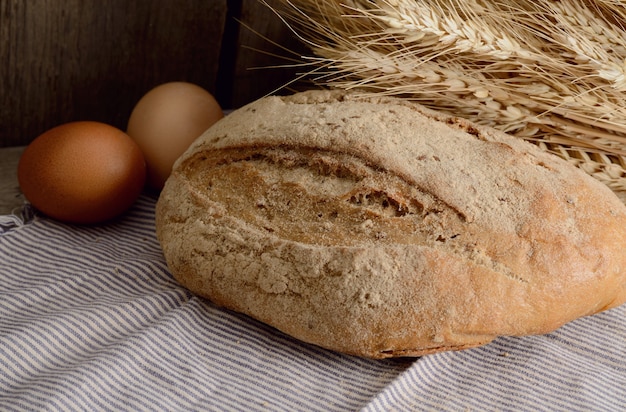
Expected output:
(93, 59)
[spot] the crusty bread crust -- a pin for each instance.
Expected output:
(375, 227)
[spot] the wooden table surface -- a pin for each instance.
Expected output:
(10, 195)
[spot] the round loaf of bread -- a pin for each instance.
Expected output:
(375, 227)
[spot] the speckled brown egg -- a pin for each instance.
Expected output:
(82, 172)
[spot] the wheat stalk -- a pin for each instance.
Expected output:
(551, 72)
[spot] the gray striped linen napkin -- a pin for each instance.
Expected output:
(92, 320)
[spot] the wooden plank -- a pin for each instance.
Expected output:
(266, 50)
(10, 195)
(93, 59)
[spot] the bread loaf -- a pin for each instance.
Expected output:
(375, 227)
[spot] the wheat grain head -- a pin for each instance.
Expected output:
(551, 72)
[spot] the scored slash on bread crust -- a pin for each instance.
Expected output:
(378, 228)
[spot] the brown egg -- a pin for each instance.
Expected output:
(82, 172)
(166, 121)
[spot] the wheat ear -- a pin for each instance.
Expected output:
(551, 72)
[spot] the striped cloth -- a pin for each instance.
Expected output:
(91, 320)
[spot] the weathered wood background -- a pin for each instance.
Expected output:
(94, 59)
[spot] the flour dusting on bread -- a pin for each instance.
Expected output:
(376, 227)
